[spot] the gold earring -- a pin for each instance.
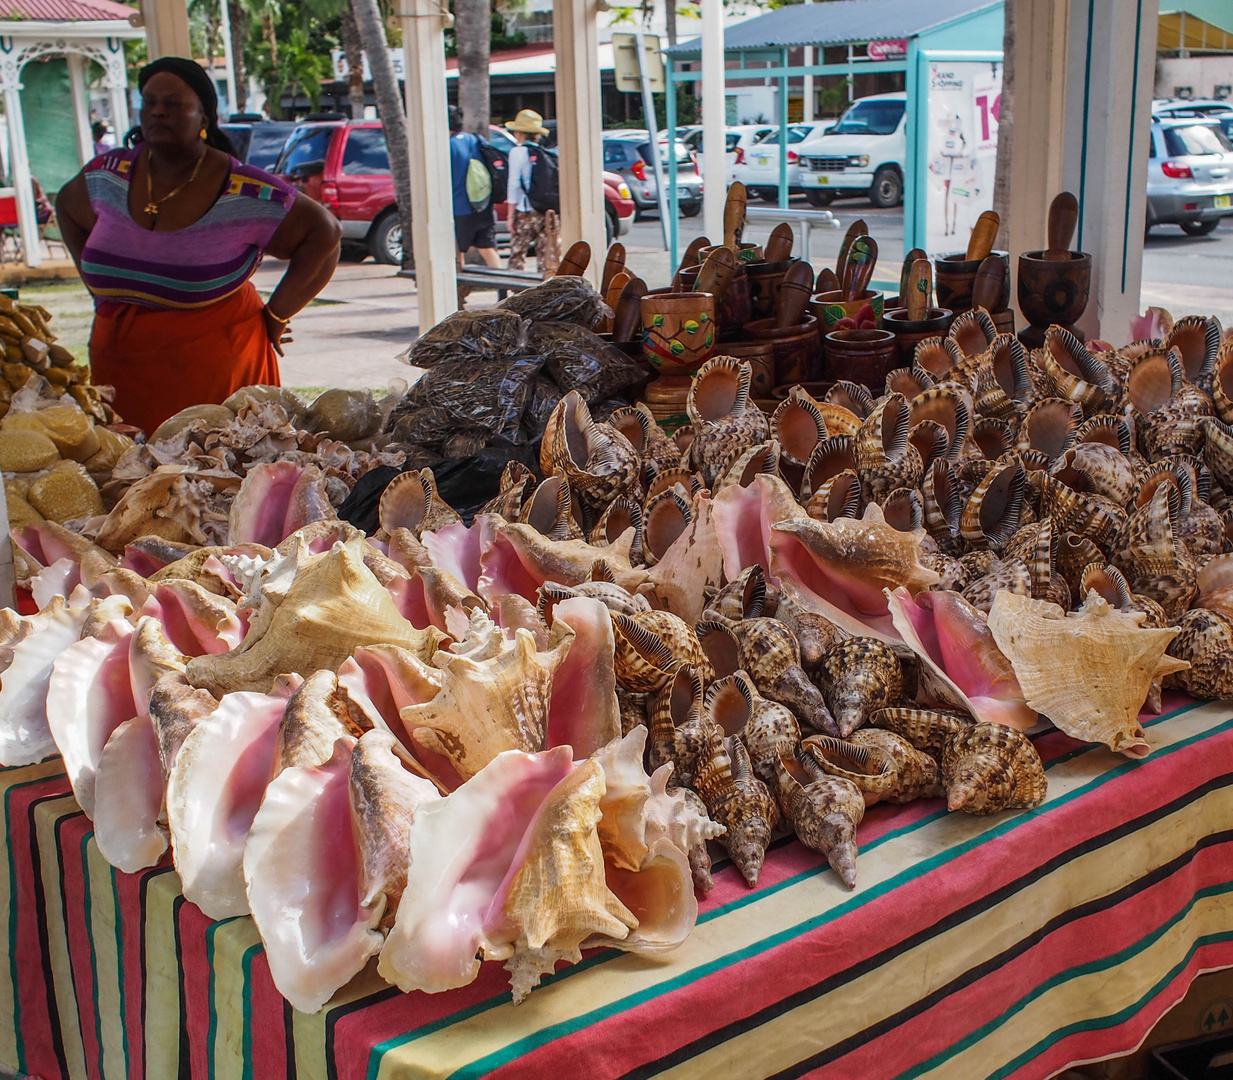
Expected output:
(203, 134)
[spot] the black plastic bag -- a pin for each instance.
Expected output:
(467, 483)
(362, 507)
(565, 298)
(484, 335)
(543, 400)
(576, 359)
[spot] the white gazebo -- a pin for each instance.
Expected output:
(80, 31)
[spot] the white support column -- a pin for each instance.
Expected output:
(166, 24)
(117, 93)
(579, 122)
(428, 138)
(10, 82)
(76, 64)
(714, 157)
(224, 29)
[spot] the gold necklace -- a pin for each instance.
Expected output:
(152, 203)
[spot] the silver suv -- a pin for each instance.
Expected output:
(1189, 175)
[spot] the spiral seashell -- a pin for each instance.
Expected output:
(1111, 585)
(909, 382)
(829, 458)
(620, 515)
(690, 482)
(636, 424)
(549, 510)
(814, 633)
(992, 437)
(1215, 581)
(904, 509)
(995, 508)
(1197, 340)
(987, 768)
(942, 506)
(1074, 373)
(798, 426)
(746, 466)
(1004, 385)
(1205, 641)
(952, 574)
(1154, 561)
(1222, 383)
(739, 801)
(743, 598)
(680, 730)
(725, 421)
(1081, 512)
(1218, 450)
(634, 710)
(770, 731)
(973, 331)
(859, 676)
(1009, 575)
(979, 563)
(885, 459)
(728, 703)
(1113, 431)
(937, 355)
(1071, 556)
(883, 766)
(931, 441)
(596, 459)
(947, 407)
(824, 811)
(516, 481)
(665, 518)
(1199, 527)
(1167, 410)
(851, 396)
(410, 501)
(769, 653)
(928, 730)
(650, 646)
(838, 497)
(1049, 427)
(601, 587)
(1105, 471)
(839, 419)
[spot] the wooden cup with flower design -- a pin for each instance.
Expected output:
(678, 331)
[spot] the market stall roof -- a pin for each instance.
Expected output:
(840, 22)
(1179, 31)
(65, 10)
(527, 60)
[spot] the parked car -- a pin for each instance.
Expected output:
(739, 144)
(259, 143)
(862, 153)
(760, 170)
(1165, 107)
(1189, 175)
(346, 168)
(628, 153)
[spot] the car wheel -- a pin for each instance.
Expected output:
(691, 209)
(1199, 228)
(610, 225)
(385, 240)
(353, 253)
(768, 194)
(819, 198)
(887, 188)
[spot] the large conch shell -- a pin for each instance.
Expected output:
(332, 605)
(1089, 671)
(597, 460)
(838, 569)
(725, 420)
(824, 810)
(990, 767)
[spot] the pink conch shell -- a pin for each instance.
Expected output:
(457, 548)
(840, 568)
(195, 621)
(693, 561)
(519, 560)
(214, 791)
(960, 663)
(744, 519)
(424, 598)
(486, 883)
(583, 712)
(25, 736)
(275, 499)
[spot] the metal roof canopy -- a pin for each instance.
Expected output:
(840, 22)
(767, 39)
(1179, 31)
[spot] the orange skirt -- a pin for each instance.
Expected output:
(162, 361)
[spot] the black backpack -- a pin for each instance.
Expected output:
(498, 169)
(545, 193)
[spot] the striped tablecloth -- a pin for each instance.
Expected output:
(1009, 946)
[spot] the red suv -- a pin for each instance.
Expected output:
(345, 167)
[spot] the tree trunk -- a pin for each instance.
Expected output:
(267, 26)
(239, 26)
(390, 109)
(473, 31)
(353, 50)
(1006, 108)
(670, 18)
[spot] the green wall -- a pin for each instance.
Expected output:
(51, 134)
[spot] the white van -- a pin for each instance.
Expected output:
(861, 154)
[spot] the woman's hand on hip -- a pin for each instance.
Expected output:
(278, 331)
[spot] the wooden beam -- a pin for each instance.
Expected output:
(166, 25)
(579, 123)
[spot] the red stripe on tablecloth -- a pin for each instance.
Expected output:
(129, 889)
(742, 989)
(77, 930)
(195, 985)
(268, 1049)
(1096, 935)
(39, 1034)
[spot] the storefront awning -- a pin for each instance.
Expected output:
(1179, 31)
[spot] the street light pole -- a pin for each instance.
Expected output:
(662, 179)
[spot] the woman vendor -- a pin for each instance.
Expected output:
(167, 233)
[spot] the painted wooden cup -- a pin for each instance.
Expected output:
(1054, 290)
(861, 356)
(678, 331)
(830, 307)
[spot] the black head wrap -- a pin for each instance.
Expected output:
(201, 84)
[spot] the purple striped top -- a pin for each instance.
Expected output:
(184, 268)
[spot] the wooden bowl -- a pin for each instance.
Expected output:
(909, 333)
(861, 356)
(678, 331)
(797, 350)
(1054, 290)
(953, 278)
(830, 307)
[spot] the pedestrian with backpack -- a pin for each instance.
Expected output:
(472, 182)
(532, 191)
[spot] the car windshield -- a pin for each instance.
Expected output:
(239, 134)
(682, 153)
(307, 145)
(870, 118)
(365, 153)
(796, 133)
(265, 144)
(1194, 140)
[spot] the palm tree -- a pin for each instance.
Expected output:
(1001, 176)
(472, 35)
(353, 49)
(238, 17)
(389, 107)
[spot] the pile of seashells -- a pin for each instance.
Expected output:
(513, 739)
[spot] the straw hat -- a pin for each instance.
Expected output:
(528, 121)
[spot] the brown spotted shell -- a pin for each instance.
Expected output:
(743, 468)
(824, 810)
(516, 482)
(855, 397)
(798, 426)
(680, 731)
(769, 652)
(973, 331)
(838, 497)
(885, 459)
(1218, 450)
(650, 646)
(995, 509)
(1166, 409)
(944, 405)
(908, 381)
(743, 598)
(883, 765)
(942, 506)
(725, 420)
(987, 768)
(1004, 386)
(596, 459)
(1008, 575)
(859, 676)
(937, 356)
(929, 730)
(1074, 373)
(1222, 383)
(550, 509)
(1205, 641)
(772, 730)
(1148, 552)
(1049, 427)
(830, 457)
(1113, 431)
(410, 501)
(738, 800)
(620, 515)
(1081, 512)
(991, 437)
(1197, 341)
(931, 442)
(904, 509)
(1105, 471)
(666, 517)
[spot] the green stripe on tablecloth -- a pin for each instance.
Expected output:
(246, 1042)
(561, 1028)
(88, 913)
(115, 896)
(1102, 964)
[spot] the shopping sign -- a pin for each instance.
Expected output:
(886, 50)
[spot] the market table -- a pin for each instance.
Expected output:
(1007, 946)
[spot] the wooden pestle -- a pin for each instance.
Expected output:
(689, 258)
(918, 295)
(734, 215)
(717, 273)
(613, 265)
(576, 260)
(1063, 216)
(794, 293)
(827, 281)
(989, 282)
(779, 245)
(857, 228)
(906, 273)
(984, 232)
(628, 319)
(861, 258)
